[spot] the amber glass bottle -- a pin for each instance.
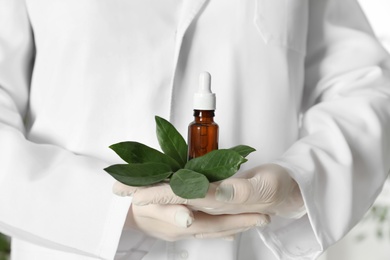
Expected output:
(202, 134)
(203, 131)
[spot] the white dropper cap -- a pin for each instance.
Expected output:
(204, 99)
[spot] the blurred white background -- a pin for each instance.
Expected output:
(370, 239)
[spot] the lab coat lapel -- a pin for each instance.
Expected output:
(190, 9)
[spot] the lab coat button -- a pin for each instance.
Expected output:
(184, 254)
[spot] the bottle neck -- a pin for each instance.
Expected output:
(205, 116)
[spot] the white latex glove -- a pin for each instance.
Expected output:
(267, 189)
(176, 222)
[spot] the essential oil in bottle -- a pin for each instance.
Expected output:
(203, 131)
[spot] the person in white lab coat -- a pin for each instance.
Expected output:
(304, 82)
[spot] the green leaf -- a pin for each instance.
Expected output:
(4, 244)
(189, 184)
(217, 165)
(243, 150)
(171, 142)
(134, 152)
(139, 174)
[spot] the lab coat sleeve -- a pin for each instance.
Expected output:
(342, 157)
(48, 196)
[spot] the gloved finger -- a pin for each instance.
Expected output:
(124, 190)
(220, 226)
(164, 195)
(163, 221)
(159, 194)
(177, 215)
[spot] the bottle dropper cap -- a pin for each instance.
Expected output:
(204, 99)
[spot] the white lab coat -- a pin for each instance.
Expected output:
(304, 82)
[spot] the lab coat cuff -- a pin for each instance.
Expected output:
(291, 239)
(286, 237)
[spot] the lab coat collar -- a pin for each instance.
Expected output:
(189, 11)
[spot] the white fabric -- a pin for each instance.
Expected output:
(304, 82)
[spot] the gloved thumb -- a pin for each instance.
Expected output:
(235, 190)
(264, 185)
(269, 187)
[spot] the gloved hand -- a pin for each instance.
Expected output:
(175, 222)
(267, 189)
